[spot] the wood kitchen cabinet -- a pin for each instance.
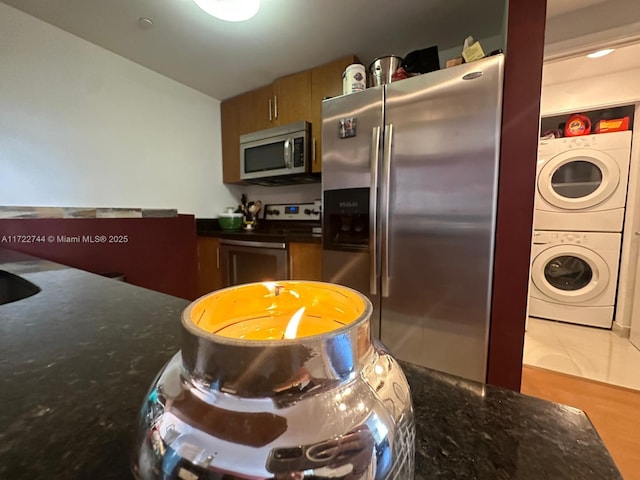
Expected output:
(293, 98)
(305, 261)
(236, 118)
(262, 108)
(287, 100)
(326, 81)
(209, 273)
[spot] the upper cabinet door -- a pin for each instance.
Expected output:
(262, 111)
(326, 81)
(246, 113)
(292, 98)
(235, 119)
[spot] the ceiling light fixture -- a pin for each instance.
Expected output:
(600, 53)
(230, 10)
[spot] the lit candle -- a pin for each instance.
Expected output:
(277, 310)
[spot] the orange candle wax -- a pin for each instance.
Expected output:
(263, 311)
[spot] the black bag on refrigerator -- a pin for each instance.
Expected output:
(422, 61)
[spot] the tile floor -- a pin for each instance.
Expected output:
(587, 352)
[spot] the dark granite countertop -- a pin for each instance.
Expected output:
(78, 357)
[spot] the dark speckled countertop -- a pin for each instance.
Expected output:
(78, 357)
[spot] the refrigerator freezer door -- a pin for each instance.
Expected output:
(437, 248)
(347, 128)
(351, 142)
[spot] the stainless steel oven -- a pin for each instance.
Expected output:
(246, 261)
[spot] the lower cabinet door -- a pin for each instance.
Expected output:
(305, 261)
(209, 273)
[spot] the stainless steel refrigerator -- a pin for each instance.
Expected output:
(409, 181)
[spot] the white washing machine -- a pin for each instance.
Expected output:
(582, 182)
(574, 276)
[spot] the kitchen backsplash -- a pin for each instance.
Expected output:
(276, 195)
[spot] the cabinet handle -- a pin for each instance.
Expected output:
(218, 258)
(270, 117)
(313, 150)
(291, 267)
(275, 107)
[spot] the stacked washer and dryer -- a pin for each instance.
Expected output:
(580, 204)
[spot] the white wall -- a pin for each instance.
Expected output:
(81, 126)
(589, 92)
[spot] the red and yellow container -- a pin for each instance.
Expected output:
(613, 125)
(578, 124)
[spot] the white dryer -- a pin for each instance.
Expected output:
(582, 182)
(574, 276)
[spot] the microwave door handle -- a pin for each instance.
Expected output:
(288, 144)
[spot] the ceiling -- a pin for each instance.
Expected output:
(222, 59)
(575, 27)
(560, 7)
(582, 68)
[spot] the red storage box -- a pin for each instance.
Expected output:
(613, 125)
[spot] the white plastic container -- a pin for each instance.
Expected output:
(354, 79)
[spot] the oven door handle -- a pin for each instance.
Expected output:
(246, 243)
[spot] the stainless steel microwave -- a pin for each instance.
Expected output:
(277, 156)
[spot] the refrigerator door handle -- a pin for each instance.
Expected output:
(373, 208)
(386, 174)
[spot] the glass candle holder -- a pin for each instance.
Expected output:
(278, 380)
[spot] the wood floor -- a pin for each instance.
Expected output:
(614, 411)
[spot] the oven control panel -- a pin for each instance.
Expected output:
(293, 211)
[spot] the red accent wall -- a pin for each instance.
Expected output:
(155, 253)
(516, 183)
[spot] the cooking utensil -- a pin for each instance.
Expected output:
(254, 207)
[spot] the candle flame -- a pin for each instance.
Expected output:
(292, 327)
(273, 288)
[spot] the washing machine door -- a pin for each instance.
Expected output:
(570, 273)
(578, 179)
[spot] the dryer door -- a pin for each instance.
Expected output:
(577, 179)
(570, 273)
